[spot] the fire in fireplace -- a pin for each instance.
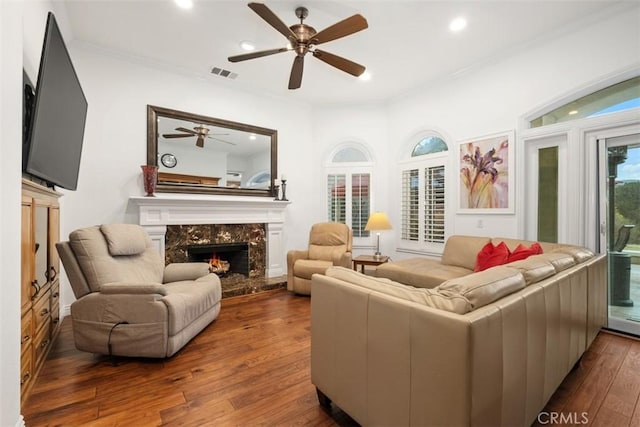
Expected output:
(223, 258)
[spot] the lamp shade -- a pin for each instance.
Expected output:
(378, 221)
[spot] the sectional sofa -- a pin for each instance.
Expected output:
(481, 348)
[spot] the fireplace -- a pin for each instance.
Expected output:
(225, 258)
(175, 221)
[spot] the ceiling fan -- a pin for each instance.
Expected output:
(200, 131)
(303, 38)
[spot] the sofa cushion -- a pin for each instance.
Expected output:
(124, 239)
(420, 272)
(486, 286)
(534, 269)
(523, 252)
(461, 251)
(578, 253)
(445, 300)
(560, 261)
(490, 256)
(305, 268)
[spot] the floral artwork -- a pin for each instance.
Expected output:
(485, 181)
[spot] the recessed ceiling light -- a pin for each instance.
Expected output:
(366, 76)
(572, 112)
(247, 45)
(185, 4)
(458, 24)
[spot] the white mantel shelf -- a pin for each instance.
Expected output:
(166, 209)
(155, 213)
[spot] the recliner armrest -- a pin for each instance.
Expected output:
(178, 271)
(344, 260)
(133, 288)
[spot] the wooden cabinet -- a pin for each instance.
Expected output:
(40, 287)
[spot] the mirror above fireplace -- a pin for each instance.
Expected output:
(200, 154)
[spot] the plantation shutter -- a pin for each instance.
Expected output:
(336, 196)
(434, 204)
(360, 204)
(410, 205)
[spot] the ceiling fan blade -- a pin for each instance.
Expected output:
(200, 141)
(265, 13)
(339, 62)
(222, 140)
(340, 29)
(189, 131)
(295, 79)
(175, 135)
(252, 55)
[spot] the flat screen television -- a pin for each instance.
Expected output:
(53, 145)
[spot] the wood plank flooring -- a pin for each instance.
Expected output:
(251, 367)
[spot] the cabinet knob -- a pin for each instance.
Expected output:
(25, 339)
(55, 295)
(44, 312)
(25, 377)
(44, 343)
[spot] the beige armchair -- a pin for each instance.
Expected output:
(127, 302)
(330, 243)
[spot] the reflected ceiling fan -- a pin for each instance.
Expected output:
(303, 38)
(200, 131)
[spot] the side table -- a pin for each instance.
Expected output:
(363, 260)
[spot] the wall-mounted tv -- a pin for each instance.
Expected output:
(54, 140)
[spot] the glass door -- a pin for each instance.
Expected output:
(619, 194)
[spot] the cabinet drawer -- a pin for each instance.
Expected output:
(26, 331)
(26, 369)
(55, 317)
(42, 341)
(55, 292)
(41, 311)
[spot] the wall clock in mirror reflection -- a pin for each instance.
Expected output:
(169, 160)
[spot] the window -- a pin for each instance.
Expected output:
(618, 97)
(349, 189)
(423, 194)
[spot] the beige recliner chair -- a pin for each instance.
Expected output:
(330, 243)
(128, 303)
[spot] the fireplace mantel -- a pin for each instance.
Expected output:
(155, 213)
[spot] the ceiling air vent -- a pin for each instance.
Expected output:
(223, 73)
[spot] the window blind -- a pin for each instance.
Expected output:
(410, 205)
(434, 204)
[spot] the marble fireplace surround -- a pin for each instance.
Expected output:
(155, 213)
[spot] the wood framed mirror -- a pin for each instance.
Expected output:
(200, 154)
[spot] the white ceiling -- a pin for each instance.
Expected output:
(407, 45)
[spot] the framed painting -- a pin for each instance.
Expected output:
(486, 175)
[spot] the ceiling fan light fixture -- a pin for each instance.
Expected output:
(458, 24)
(365, 77)
(247, 45)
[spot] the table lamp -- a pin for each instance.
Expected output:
(378, 221)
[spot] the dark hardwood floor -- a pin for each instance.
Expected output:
(251, 367)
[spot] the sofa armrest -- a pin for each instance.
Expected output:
(344, 260)
(133, 288)
(178, 271)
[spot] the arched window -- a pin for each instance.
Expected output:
(422, 209)
(618, 97)
(348, 178)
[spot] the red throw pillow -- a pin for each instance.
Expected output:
(523, 252)
(490, 256)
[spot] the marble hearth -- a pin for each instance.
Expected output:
(173, 220)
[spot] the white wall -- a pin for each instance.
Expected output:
(10, 173)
